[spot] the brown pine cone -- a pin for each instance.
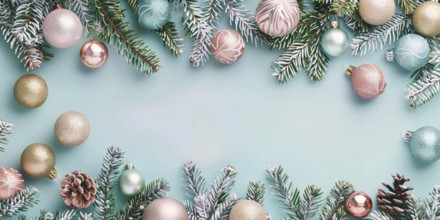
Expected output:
(78, 190)
(395, 201)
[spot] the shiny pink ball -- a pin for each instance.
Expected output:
(94, 54)
(62, 28)
(358, 204)
(11, 183)
(368, 80)
(227, 46)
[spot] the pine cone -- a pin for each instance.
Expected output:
(395, 202)
(78, 190)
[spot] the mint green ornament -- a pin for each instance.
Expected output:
(153, 14)
(131, 181)
(411, 52)
(424, 144)
(335, 41)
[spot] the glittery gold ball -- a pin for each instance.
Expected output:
(38, 161)
(72, 128)
(376, 12)
(30, 91)
(247, 210)
(426, 19)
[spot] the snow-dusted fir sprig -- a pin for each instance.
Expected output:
(214, 203)
(408, 6)
(5, 129)
(432, 204)
(171, 38)
(425, 87)
(25, 199)
(256, 191)
(68, 214)
(334, 203)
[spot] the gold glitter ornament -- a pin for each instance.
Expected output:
(376, 12)
(72, 128)
(247, 210)
(38, 161)
(31, 91)
(426, 19)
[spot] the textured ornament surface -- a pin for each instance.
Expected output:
(426, 19)
(72, 128)
(376, 12)
(165, 209)
(425, 144)
(368, 81)
(247, 210)
(62, 28)
(154, 14)
(78, 190)
(411, 52)
(131, 182)
(11, 183)
(94, 54)
(38, 161)
(335, 42)
(358, 204)
(277, 18)
(227, 46)
(31, 91)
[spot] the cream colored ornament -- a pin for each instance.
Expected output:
(426, 19)
(72, 128)
(247, 210)
(165, 209)
(376, 12)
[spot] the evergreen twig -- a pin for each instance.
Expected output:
(5, 129)
(432, 204)
(334, 204)
(255, 192)
(171, 38)
(25, 199)
(378, 215)
(408, 6)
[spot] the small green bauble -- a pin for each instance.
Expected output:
(131, 181)
(154, 14)
(424, 144)
(335, 41)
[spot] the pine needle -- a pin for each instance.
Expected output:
(171, 38)
(25, 199)
(256, 191)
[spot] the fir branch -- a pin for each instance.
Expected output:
(382, 35)
(195, 181)
(5, 129)
(291, 61)
(25, 199)
(223, 183)
(110, 15)
(416, 209)
(255, 192)
(432, 204)
(85, 216)
(27, 22)
(334, 205)
(67, 214)
(378, 215)
(134, 207)
(425, 88)
(105, 205)
(224, 208)
(171, 38)
(408, 6)
(84, 10)
(310, 202)
(318, 61)
(244, 21)
(212, 9)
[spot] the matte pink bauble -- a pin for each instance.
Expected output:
(94, 54)
(165, 209)
(277, 18)
(62, 28)
(11, 183)
(368, 80)
(227, 46)
(358, 204)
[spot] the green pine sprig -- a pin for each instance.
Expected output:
(334, 204)
(256, 191)
(5, 129)
(408, 6)
(25, 199)
(171, 38)
(432, 204)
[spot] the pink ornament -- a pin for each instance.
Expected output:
(11, 183)
(277, 18)
(94, 54)
(368, 80)
(62, 28)
(358, 204)
(227, 46)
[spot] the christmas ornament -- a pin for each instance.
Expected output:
(131, 181)
(411, 52)
(154, 14)
(395, 201)
(31, 91)
(38, 161)
(376, 12)
(277, 18)
(426, 19)
(62, 28)
(358, 204)
(165, 208)
(11, 183)
(227, 46)
(335, 41)
(424, 144)
(247, 210)
(94, 54)
(368, 80)
(72, 128)
(78, 190)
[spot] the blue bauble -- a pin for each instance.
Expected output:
(154, 14)
(425, 144)
(335, 42)
(411, 52)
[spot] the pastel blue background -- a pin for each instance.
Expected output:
(219, 115)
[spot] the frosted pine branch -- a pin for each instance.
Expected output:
(310, 202)
(224, 208)
(195, 181)
(171, 38)
(255, 192)
(432, 204)
(408, 6)
(424, 89)
(25, 199)
(291, 61)
(334, 204)
(223, 183)
(5, 129)
(85, 216)
(378, 215)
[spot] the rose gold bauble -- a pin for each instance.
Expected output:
(277, 18)
(94, 54)
(11, 183)
(426, 19)
(165, 209)
(358, 204)
(227, 46)
(72, 128)
(376, 12)
(247, 210)
(31, 91)
(368, 80)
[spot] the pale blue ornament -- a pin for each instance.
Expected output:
(411, 52)
(335, 41)
(154, 14)
(424, 144)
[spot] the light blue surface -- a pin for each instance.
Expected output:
(219, 115)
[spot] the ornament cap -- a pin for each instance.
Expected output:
(407, 135)
(390, 55)
(129, 166)
(53, 174)
(349, 70)
(334, 24)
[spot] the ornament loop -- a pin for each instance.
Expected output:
(129, 166)
(349, 70)
(407, 135)
(390, 55)
(334, 23)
